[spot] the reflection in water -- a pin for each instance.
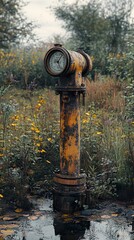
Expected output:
(51, 226)
(70, 230)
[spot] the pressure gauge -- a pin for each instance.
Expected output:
(57, 61)
(60, 62)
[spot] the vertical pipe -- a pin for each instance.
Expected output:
(70, 133)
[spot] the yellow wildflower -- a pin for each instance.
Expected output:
(13, 124)
(33, 128)
(41, 101)
(94, 116)
(37, 130)
(49, 139)
(38, 144)
(42, 150)
(85, 121)
(15, 117)
(1, 154)
(1, 196)
(38, 106)
(99, 133)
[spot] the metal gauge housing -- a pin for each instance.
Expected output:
(57, 61)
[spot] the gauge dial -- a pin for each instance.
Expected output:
(57, 62)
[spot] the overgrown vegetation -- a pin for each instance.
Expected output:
(29, 120)
(30, 141)
(14, 26)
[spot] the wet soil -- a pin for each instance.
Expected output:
(108, 221)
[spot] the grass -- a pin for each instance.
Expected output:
(30, 140)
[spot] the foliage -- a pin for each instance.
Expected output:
(120, 66)
(106, 152)
(129, 97)
(120, 30)
(101, 30)
(27, 141)
(30, 141)
(24, 68)
(13, 26)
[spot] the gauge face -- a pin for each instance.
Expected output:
(57, 62)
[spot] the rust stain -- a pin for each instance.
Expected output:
(77, 66)
(70, 136)
(70, 155)
(73, 118)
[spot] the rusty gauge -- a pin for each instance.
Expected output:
(57, 61)
(60, 62)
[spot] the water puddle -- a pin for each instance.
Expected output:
(44, 224)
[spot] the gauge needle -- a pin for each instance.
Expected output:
(59, 59)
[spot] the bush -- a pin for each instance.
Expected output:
(24, 68)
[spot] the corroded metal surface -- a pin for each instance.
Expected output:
(79, 180)
(69, 184)
(69, 133)
(76, 62)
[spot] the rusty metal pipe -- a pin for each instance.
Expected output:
(69, 183)
(69, 133)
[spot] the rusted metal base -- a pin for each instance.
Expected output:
(69, 193)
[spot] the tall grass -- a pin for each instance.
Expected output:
(30, 140)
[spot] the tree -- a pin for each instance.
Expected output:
(118, 14)
(13, 25)
(87, 25)
(99, 29)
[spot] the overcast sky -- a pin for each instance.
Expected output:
(41, 13)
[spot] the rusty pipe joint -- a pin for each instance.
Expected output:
(60, 62)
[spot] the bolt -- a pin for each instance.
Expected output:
(58, 45)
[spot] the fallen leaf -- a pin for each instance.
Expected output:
(25, 215)
(7, 232)
(105, 216)
(18, 210)
(3, 226)
(8, 218)
(114, 214)
(33, 218)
